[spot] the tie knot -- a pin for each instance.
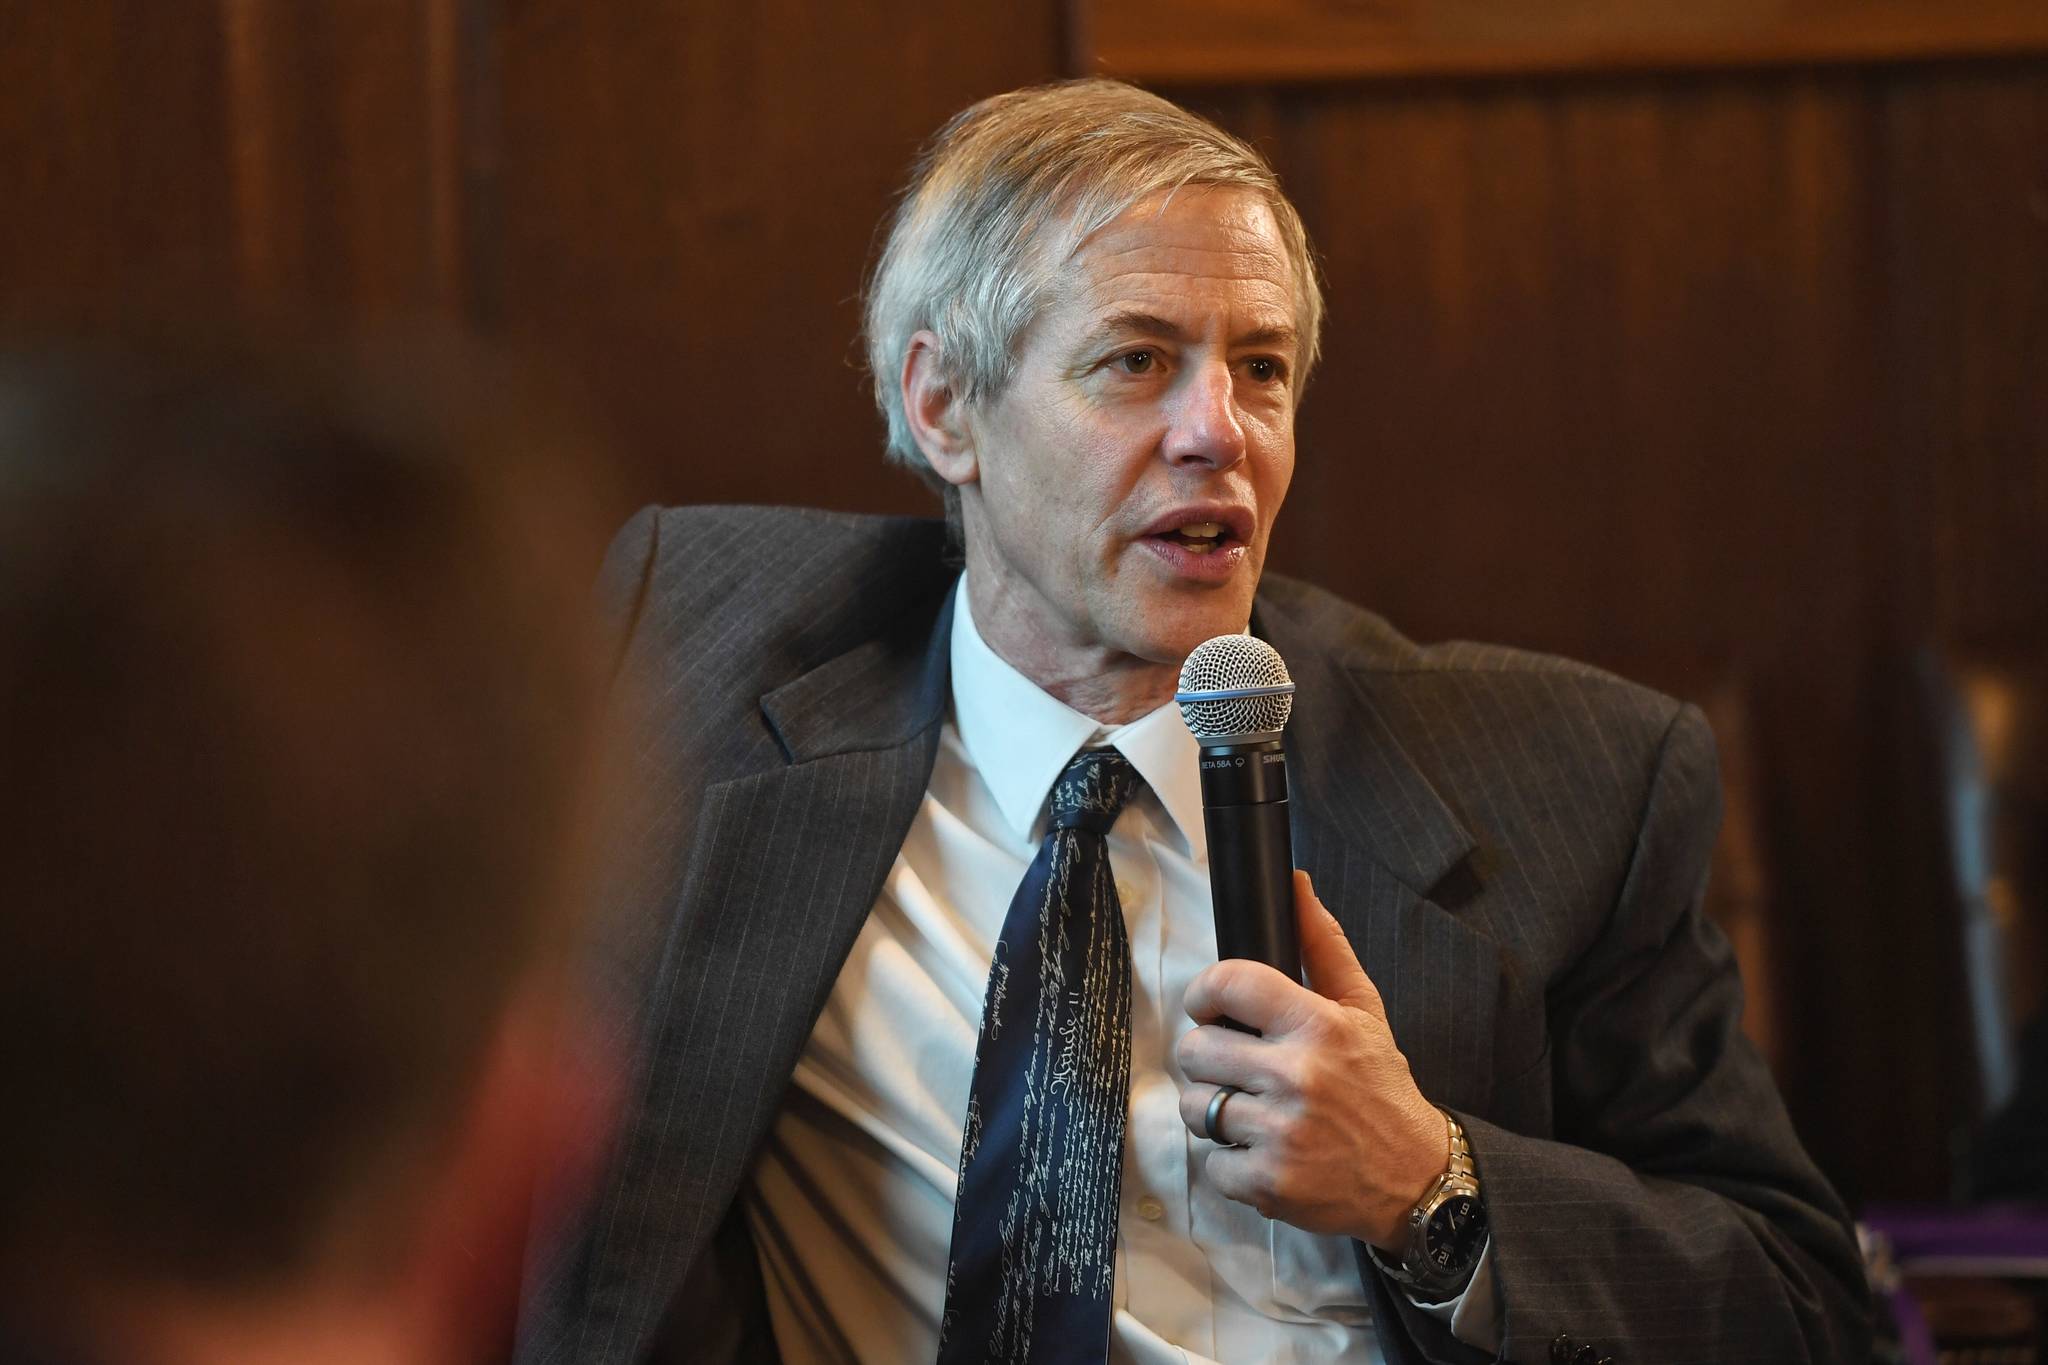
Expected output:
(1092, 790)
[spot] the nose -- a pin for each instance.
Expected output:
(1202, 420)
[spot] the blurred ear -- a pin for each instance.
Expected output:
(527, 1154)
(936, 414)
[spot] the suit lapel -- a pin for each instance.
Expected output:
(784, 866)
(1376, 838)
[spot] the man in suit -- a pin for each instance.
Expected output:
(1509, 1114)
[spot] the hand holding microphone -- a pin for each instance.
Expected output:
(1318, 1119)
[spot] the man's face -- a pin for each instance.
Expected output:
(1129, 474)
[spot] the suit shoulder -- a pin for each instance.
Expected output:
(764, 559)
(769, 591)
(1463, 679)
(761, 539)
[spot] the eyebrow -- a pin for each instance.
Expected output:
(1130, 321)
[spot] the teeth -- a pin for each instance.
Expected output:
(1202, 530)
(1197, 548)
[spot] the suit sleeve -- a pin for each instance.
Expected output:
(1675, 1217)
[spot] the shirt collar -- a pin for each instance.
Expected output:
(1020, 737)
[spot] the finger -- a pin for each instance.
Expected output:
(1239, 1119)
(1251, 993)
(1241, 1174)
(1326, 954)
(1215, 1055)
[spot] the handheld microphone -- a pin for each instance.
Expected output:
(1235, 697)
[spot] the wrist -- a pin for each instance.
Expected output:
(1413, 1176)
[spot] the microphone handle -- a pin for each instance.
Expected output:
(1251, 855)
(1251, 880)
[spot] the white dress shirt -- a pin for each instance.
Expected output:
(851, 1202)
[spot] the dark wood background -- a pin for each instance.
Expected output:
(1730, 374)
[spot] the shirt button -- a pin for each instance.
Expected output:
(1150, 1209)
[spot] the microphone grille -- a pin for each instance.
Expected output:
(1233, 686)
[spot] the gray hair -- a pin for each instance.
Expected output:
(1002, 197)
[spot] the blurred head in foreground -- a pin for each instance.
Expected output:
(295, 711)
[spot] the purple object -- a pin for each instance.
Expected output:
(1979, 1232)
(1992, 1241)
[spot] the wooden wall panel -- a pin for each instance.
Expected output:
(113, 161)
(689, 196)
(174, 161)
(1968, 266)
(345, 126)
(1295, 40)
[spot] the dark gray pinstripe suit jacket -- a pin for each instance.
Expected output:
(1515, 844)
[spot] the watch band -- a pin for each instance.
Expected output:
(1461, 1151)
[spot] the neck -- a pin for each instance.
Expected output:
(1106, 685)
(1112, 693)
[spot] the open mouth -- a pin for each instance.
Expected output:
(1199, 537)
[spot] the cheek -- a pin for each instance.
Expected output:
(1061, 475)
(1273, 463)
(1080, 483)
(1037, 486)
(1095, 489)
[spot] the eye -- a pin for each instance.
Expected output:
(1264, 369)
(1135, 362)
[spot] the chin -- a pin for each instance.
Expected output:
(1167, 632)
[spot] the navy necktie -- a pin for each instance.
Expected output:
(1041, 1161)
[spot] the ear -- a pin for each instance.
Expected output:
(936, 414)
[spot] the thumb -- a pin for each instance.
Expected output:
(1333, 970)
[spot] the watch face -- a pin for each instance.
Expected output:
(1454, 1232)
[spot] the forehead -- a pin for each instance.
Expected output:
(1196, 252)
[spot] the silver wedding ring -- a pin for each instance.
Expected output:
(1215, 1111)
